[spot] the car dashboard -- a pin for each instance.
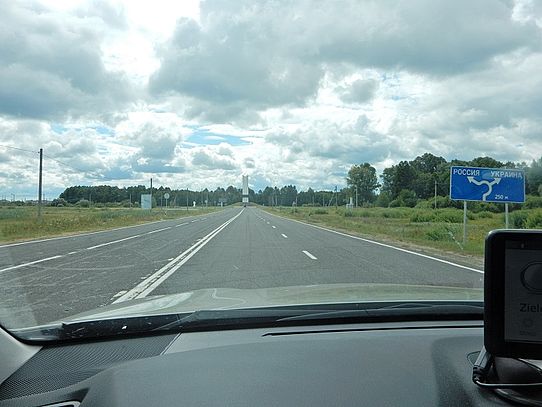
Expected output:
(422, 363)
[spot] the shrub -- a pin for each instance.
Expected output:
(519, 219)
(395, 203)
(422, 216)
(534, 220)
(533, 202)
(383, 200)
(485, 215)
(83, 203)
(59, 202)
(320, 212)
(438, 233)
(425, 204)
(408, 198)
(450, 216)
(395, 213)
(488, 206)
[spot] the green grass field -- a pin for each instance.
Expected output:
(20, 223)
(440, 229)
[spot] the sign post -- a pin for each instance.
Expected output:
(464, 222)
(497, 185)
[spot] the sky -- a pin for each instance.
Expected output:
(196, 93)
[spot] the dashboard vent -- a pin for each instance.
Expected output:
(56, 367)
(65, 404)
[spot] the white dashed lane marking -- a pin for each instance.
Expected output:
(114, 241)
(30, 263)
(159, 230)
(309, 255)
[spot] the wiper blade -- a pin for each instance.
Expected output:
(406, 311)
(254, 317)
(230, 318)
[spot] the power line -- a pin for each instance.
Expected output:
(19, 149)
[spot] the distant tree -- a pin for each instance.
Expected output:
(427, 163)
(408, 198)
(487, 162)
(363, 177)
(383, 200)
(59, 202)
(533, 174)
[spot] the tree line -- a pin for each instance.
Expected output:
(403, 184)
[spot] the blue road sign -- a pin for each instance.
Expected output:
(487, 184)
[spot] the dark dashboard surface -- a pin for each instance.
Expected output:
(393, 364)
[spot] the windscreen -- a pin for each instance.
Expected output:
(176, 156)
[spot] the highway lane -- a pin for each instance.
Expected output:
(92, 269)
(262, 250)
(236, 247)
(15, 254)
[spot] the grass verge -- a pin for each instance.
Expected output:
(20, 223)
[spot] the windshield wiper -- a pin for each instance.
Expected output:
(406, 311)
(225, 319)
(255, 317)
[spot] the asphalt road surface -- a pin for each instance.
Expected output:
(43, 281)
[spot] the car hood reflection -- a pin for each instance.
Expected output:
(235, 298)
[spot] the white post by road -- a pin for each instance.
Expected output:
(506, 215)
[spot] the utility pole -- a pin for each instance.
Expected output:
(187, 199)
(435, 194)
(151, 194)
(40, 184)
(356, 196)
(336, 198)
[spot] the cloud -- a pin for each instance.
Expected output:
(111, 14)
(51, 66)
(287, 92)
(360, 91)
(212, 160)
(266, 57)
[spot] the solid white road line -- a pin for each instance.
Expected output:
(30, 263)
(310, 256)
(114, 241)
(385, 245)
(145, 287)
(284, 236)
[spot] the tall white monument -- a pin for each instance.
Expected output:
(245, 189)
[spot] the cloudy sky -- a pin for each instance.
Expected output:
(194, 94)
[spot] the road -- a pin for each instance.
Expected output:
(42, 281)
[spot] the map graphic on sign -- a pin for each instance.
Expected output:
(487, 184)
